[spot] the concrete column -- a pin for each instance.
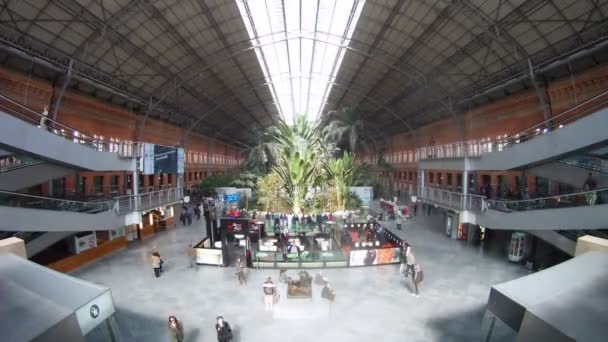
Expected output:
(156, 182)
(121, 182)
(105, 183)
(135, 188)
(146, 181)
(69, 183)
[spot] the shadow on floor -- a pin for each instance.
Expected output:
(464, 326)
(132, 326)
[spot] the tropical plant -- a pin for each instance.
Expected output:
(346, 127)
(299, 149)
(208, 185)
(245, 179)
(270, 193)
(353, 201)
(342, 173)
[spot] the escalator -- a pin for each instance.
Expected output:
(21, 212)
(58, 144)
(574, 170)
(20, 171)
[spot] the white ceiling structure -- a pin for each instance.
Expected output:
(224, 66)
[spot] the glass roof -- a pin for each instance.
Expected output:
(300, 45)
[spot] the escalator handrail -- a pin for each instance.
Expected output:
(90, 141)
(572, 194)
(17, 194)
(527, 133)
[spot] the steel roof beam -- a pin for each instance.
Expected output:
(387, 23)
(220, 34)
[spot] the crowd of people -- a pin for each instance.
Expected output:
(189, 212)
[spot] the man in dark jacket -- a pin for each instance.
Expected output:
(224, 332)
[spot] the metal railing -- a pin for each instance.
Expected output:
(149, 200)
(15, 199)
(590, 164)
(14, 162)
(576, 199)
(476, 148)
(452, 200)
(124, 149)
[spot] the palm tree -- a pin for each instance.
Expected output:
(347, 127)
(342, 173)
(297, 149)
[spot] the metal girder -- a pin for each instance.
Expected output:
(293, 101)
(218, 57)
(540, 87)
(220, 34)
(273, 90)
(339, 82)
(370, 49)
(58, 95)
(476, 43)
(314, 46)
(342, 42)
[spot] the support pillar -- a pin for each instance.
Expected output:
(156, 182)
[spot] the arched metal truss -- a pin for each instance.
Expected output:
(404, 58)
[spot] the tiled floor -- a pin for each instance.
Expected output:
(372, 303)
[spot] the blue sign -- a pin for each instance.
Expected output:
(232, 197)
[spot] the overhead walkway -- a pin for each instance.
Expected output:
(22, 212)
(26, 132)
(570, 132)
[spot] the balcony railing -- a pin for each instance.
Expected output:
(14, 199)
(476, 148)
(577, 199)
(16, 162)
(452, 200)
(122, 148)
(149, 200)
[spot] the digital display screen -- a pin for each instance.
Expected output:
(379, 256)
(233, 197)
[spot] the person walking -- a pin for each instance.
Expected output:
(410, 260)
(224, 332)
(240, 272)
(270, 290)
(156, 263)
(191, 253)
(176, 330)
(417, 278)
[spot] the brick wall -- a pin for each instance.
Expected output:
(92, 116)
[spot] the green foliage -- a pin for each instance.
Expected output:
(347, 129)
(245, 179)
(341, 173)
(208, 185)
(353, 202)
(270, 193)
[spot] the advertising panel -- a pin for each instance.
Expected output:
(365, 193)
(148, 159)
(378, 256)
(180, 160)
(165, 159)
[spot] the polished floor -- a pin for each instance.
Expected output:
(372, 303)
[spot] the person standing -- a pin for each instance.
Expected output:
(417, 278)
(224, 332)
(156, 263)
(270, 290)
(191, 253)
(240, 272)
(176, 330)
(410, 260)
